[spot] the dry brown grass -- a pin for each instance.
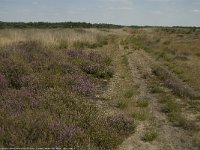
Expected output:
(176, 48)
(51, 37)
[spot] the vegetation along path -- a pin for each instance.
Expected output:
(156, 132)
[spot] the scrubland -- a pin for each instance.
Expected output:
(100, 88)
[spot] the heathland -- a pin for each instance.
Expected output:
(100, 88)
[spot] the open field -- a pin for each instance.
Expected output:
(100, 88)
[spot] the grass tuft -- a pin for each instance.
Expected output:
(129, 93)
(142, 103)
(149, 136)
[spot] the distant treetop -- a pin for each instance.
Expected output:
(56, 25)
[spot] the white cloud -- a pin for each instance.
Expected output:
(3, 12)
(158, 12)
(124, 2)
(120, 0)
(120, 8)
(158, 0)
(35, 3)
(196, 10)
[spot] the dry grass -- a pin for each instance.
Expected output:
(179, 52)
(58, 38)
(176, 48)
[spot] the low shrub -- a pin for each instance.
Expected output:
(121, 123)
(17, 101)
(84, 86)
(125, 60)
(142, 103)
(122, 104)
(174, 83)
(170, 107)
(129, 93)
(44, 98)
(99, 71)
(76, 53)
(149, 136)
(139, 115)
(3, 82)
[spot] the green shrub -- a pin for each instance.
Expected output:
(125, 60)
(149, 136)
(121, 104)
(99, 71)
(139, 115)
(156, 89)
(142, 103)
(170, 107)
(129, 93)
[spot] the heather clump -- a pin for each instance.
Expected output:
(44, 98)
(66, 134)
(97, 70)
(76, 53)
(3, 82)
(178, 86)
(95, 57)
(17, 101)
(13, 68)
(121, 123)
(92, 63)
(84, 86)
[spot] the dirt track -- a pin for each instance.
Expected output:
(169, 136)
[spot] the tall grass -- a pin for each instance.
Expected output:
(57, 38)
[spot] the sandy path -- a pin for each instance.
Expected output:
(169, 137)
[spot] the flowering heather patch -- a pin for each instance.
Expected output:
(3, 82)
(14, 68)
(84, 86)
(178, 86)
(39, 86)
(76, 53)
(31, 82)
(99, 71)
(66, 135)
(121, 123)
(70, 135)
(70, 68)
(95, 57)
(90, 68)
(18, 100)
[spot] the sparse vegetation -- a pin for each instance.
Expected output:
(125, 60)
(140, 115)
(173, 82)
(129, 93)
(142, 103)
(88, 88)
(149, 136)
(122, 104)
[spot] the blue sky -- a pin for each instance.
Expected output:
(124, 12)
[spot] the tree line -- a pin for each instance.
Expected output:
(4, 25)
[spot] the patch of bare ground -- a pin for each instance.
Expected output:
(166, 134)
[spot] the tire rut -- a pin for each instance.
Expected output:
(169, 137)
